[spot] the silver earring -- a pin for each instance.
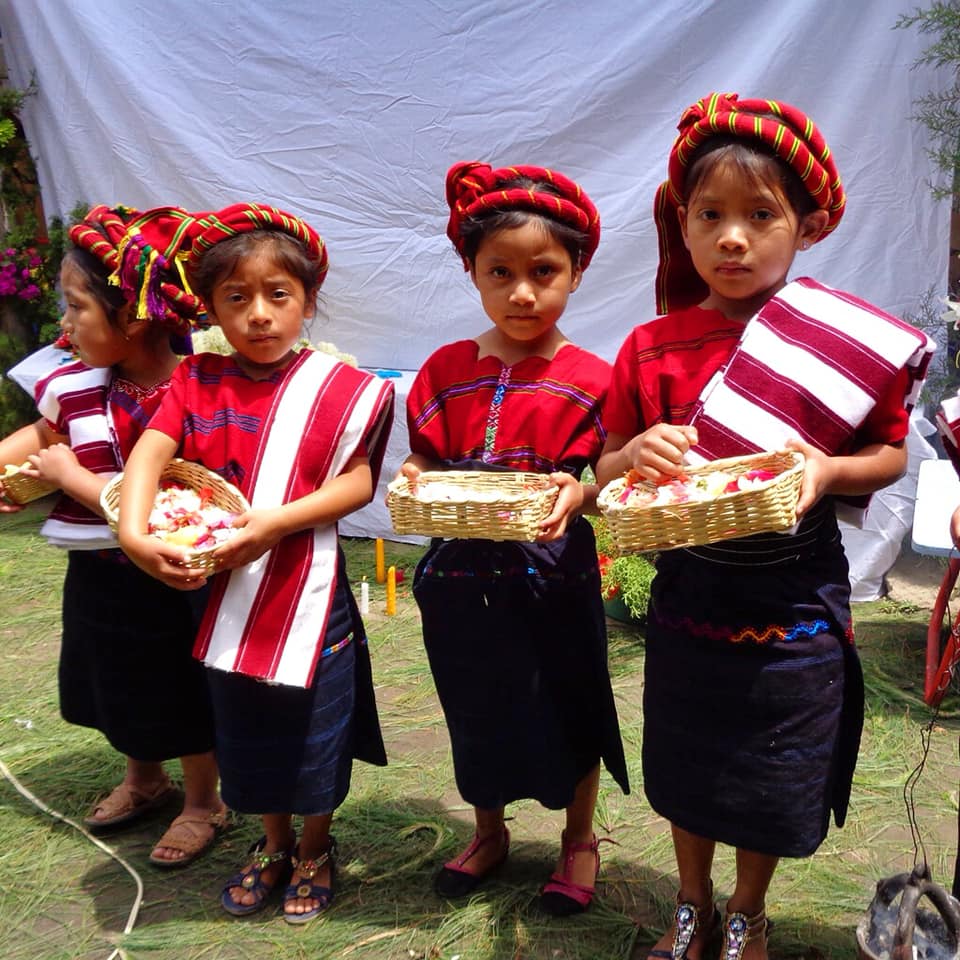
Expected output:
(805, 244)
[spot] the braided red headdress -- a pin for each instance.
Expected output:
(475, 188)
(791, 135)
(141, 251)
(211, 228)
(100, 232)
(150, 268)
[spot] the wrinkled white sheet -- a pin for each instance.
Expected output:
(350, 113)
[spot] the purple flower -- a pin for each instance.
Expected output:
(29, 292)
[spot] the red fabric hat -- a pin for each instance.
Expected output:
(141, 250)
(100, 232)
(791, 135)
(474, 188)
(210, 228)
(150, 268)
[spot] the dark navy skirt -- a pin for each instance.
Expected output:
(126, 662)
(516, 638)
(285, 749)
(753, 696)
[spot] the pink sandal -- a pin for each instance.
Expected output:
(561, 897)
(454, 881)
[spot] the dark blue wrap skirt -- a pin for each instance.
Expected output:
(285, 749)
(516, 638)
(753, 692)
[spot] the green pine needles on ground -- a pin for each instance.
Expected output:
(64, 899)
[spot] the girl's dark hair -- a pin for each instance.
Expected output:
(95, 273)
(220, 261)
(474, 229)
(756, 161)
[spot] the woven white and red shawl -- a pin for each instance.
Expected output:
(948, 423)
(811, 364)
(268, 619)
(76, 397)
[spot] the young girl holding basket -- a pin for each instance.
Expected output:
(753, 694)
(302, 436)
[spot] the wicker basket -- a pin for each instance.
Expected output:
(763, 509)
(20, 488)
(193, 475)
(472, 504)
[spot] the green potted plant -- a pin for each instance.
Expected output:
(624, 581)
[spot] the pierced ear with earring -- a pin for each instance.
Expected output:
(804, 244)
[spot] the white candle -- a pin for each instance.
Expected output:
(364, 597)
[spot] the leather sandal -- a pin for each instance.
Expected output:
(561, 897)
(739, 930)
(250, 878)
(125, 804)
(306, 889)
(454, 881)
(688, 923)
(193, 836)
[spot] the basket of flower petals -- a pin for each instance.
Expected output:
(471, 504)
(193, 508)
(735, 497)
(21, 488)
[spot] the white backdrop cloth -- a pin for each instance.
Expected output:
(350, 113)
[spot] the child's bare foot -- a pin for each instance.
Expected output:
(745, 934)
(311, 887)
(130, 800)
(692, 925)
(462, 875)
(191, 834)
(248, 891)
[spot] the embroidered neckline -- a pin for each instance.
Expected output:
(140, 394)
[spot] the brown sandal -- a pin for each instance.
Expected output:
(190, 835)
(126, 803)
(739, 930)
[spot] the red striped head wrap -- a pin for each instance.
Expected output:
(788, 132)
(212, 228)
(142, 251)
(476, 188)
(100, 232)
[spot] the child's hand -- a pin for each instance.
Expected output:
(818, 475)
(258, 531)
(163, 561)
(55, 463)
(659, 451)
(412, 473)
(955, 528)
(569, 502)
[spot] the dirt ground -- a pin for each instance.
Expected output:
(915, 578)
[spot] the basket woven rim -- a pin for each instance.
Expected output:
(712, 466)
(514, 504)
(21, 488)
(525, 483)
(172, 471)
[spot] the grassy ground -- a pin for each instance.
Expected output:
(62, 897)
